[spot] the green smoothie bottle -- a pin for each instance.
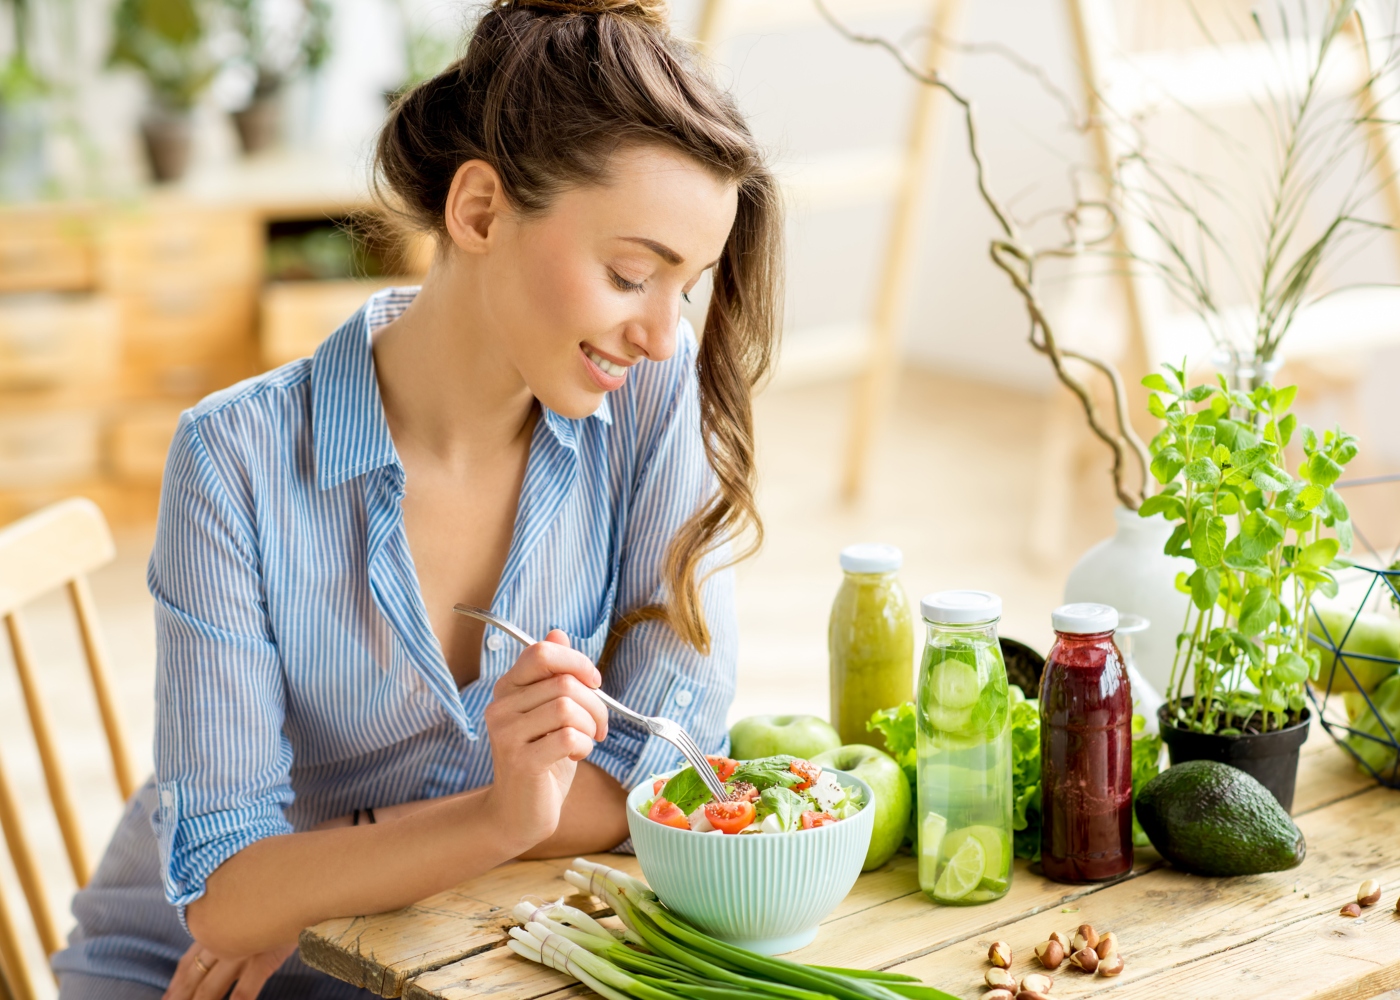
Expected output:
(871, 641)
(963, 716)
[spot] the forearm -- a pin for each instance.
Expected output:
(593, 819)
(265, 894)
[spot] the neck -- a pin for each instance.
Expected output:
(447, 391)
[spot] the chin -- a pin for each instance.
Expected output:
(575, 405)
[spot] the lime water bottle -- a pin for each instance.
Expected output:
(964, 751)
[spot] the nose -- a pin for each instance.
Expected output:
(653, 330)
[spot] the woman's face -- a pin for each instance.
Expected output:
(576, 296)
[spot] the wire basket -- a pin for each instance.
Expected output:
(1371, 740)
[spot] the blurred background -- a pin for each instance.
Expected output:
(184, 203)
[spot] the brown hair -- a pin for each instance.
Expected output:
(547, 92)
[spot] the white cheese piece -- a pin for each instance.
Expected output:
(699, 822)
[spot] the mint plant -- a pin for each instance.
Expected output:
(1263, 542)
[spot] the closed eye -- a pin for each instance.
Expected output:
(624, 285)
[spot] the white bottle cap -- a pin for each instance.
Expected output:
(1084, 619)
(961, 607)
(871, 557)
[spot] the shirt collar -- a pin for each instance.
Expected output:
(350, 434)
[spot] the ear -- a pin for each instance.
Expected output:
(475, 201)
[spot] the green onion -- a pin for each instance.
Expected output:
(660, 955)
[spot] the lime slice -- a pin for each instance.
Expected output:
(981, 895)
(963, 871)
(995, 845)
(930, 840)
(994, 886)
(954, 684)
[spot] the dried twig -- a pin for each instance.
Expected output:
(1017, 259)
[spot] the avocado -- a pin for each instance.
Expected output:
(1209, 818)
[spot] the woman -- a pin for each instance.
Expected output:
(534, 430)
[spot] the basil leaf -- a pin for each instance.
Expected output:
(765, 772)
(784, 803)
(686, 791)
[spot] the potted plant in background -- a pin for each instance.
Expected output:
(426, 53)
(1262, 543)
(276, 49)
(166, 41)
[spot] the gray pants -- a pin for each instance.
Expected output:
(129, 939)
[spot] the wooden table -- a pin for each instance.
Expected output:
(1181, 936)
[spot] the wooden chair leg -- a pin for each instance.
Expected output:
(48, 752)
(876, 384)
(97, 668)
(14, 979)
(28, 872)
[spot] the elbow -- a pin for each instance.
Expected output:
(221, 933)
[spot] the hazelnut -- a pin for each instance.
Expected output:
(1108, 945)
(1051, 953)
(1063, 940)
(1397, 906)
(1112, 965)
(1000, 979)
(1084, 937)
(999, 995)
(1031, 995)
(1036, 983)
(1370, 893)
(999, 954)
(1086, 959)
(1351, 910)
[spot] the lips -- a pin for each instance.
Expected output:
(607, 374)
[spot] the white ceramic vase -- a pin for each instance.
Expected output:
(1131, 573)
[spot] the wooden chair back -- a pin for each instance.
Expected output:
(53, 548)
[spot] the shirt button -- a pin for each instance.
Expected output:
(683, 698)
(166, 799)
(494, 642)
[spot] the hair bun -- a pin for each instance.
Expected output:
(653, 12)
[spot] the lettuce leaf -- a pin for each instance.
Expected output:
(1147, 753)
(784, 803)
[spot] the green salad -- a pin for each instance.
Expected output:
(779, 794)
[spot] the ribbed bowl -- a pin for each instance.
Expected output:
(765, 892)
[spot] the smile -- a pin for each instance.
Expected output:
(607, 366)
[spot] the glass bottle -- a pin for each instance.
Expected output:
(870, 639)
(1086, 752)
(964, 753)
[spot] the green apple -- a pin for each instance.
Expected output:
(893, 803)
(802, 736)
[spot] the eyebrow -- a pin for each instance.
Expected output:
(660, 249)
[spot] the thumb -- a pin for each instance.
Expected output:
(557, 635)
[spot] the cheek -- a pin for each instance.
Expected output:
(565, 300)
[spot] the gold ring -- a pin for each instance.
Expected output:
(203, 969)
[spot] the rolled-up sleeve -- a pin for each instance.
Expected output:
(654, 670)
(222, 759)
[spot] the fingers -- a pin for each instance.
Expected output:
(557, 713)
(188, 973)
(220, 979)
(526, 700)
(257, 972)
(545, 659)
(562, 744)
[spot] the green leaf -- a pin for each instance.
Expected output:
(784, 803)
(1258, 611)
(1319, 554)
(1166, 464)
(1309, 440)
(1208, 541)
(1285, 429)
(1283, 398)
(686, 791)
(1321, 471)
(1204, 472)
(1176, 544)
(765, 772)
(1290, 668)
(1236, 559)
(1202, 439)
(1168, 506)
(1334, 505)
(1270, 477)
(1227, 503)
(1157, 382)
(1156, 407)
(1205, 588)
(1199, 392)
(899, 728)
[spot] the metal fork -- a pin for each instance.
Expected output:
(660, 726)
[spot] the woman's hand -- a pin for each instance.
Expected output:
(202, 976)
(544, 718)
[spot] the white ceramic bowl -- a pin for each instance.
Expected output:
(765, 892)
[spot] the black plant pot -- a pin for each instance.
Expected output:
(168, 137)
(1270, 758)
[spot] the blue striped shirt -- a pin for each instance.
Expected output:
(297, 675)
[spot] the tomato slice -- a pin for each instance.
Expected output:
(742, 790)
(730, 817)
(668, 814)
(812, 820)
(805, 770)
(724, 766)
(657, 785)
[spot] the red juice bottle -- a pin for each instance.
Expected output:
(1086, 753)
